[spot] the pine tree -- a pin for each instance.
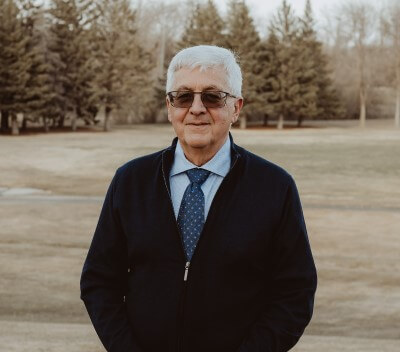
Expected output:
(70, 41)
(205, 26)
(283, 43)
(244, 40)
(39, 98)
(14, 64)
(308, 77)
(319, 99)
(121, 65)
(268, 94)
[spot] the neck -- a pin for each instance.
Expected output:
(198, 158)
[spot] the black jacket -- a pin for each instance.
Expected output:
(251, 282)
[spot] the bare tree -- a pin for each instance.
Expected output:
(340, 58)
(358, 26)
(159, 25)
(390, 20)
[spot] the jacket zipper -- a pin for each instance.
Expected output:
(187, 263)
(182, 308)
(186, 271)
(173, 214)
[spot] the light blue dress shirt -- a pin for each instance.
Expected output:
(218, 166)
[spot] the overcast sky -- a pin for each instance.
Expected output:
(266, 7)
(263, 10)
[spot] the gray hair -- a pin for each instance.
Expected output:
(207, 56)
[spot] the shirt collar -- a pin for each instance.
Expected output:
(219, 164)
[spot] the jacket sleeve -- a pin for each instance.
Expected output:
(289, 303)
(104, 280)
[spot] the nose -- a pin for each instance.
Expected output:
(197, 107)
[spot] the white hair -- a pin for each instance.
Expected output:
(206, 57)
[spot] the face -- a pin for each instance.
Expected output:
(200, 129)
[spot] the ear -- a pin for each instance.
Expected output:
(168, 108)
(237, 107)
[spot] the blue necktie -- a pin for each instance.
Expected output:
(191, 212)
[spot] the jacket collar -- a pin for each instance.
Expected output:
(169, 153)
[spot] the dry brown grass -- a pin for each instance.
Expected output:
(349, 181)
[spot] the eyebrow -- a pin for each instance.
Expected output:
(211, 87)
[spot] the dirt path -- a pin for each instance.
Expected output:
(349, 181)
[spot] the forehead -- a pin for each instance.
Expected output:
(198, 80)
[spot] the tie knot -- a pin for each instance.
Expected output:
(197, 175)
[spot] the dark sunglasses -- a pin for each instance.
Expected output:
(209, 98)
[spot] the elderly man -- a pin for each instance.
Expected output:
(201, 246)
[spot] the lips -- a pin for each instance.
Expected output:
(198, 124)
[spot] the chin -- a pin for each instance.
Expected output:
(197, 140)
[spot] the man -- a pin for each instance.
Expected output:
(201, 246)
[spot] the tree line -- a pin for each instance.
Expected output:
(74, 60)
(286, 75)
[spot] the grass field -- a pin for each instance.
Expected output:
(348, 179)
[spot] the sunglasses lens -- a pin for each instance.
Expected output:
(183, 99)
(212, 99)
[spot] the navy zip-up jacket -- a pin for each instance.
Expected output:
(251, 282)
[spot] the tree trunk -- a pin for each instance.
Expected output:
(362, 84)
(299, 121)
(107, 120)
(14, 125)
(397, 112)
(24, 124)
(266, 117)
(4, 121)
(45, 124)
(61, 121)
(162, 49)
(362, 108)
(280, 122)
(73, 120)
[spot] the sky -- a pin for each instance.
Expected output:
(266, 7)
(263, 10)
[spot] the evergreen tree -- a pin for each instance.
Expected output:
(121, 65)
(283, 43)
(39, 97)
(244, 40)
(309, 46)
(269, 75)
(318, 96)
(14, 64)
(70, 41)
(205, 26)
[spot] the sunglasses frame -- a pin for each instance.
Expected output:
(171, 97)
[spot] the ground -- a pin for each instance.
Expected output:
(51, 191)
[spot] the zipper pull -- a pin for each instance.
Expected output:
(186, 271)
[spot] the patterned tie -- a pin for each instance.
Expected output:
(191, 212)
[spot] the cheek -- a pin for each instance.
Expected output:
(225, 118)
(176, 117)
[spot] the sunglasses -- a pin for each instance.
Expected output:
(209, 98)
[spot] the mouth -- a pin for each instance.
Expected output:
(198, 124)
